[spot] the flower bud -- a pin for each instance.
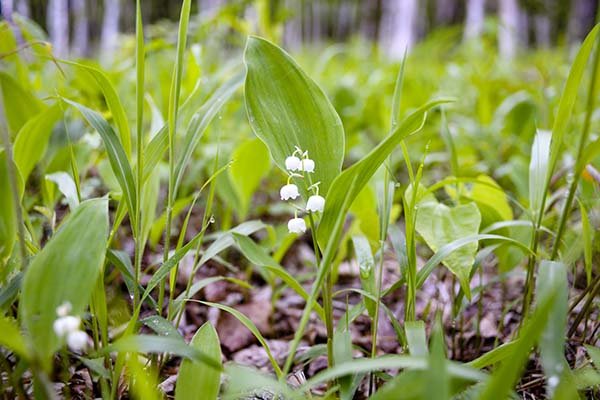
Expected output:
(65, 325)
(77, 340)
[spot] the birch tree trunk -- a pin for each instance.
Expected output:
(110, 26)
(58, 26)
(508, 29)
(81, 28)
(7, 8)
(474, 19)
(23, 8)
(399, 23)
(581, 19)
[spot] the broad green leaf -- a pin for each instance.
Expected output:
(11, 337)
(143, 380)
(248, 383)
(349, 183)
(552, 342)
(366, 264)
(342, 353)
(113, 101)
(416, 338)
(286, 109)
(19, 104)
(161, 345)
(67, 187)
(225, 239)
(8, 218)
(364, 209)
(390, 362)
(440, 225)
(538, 169)
(117, 155)
(32, 140)
(252, 328)
(250, 165)
(438, 378)
(161, 326)
(65, 270)
(594, 353)
(196, 380)
(491, 200)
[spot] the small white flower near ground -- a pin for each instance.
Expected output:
(293, 163)
(308, 165)
(65, 325)
(315, 203)
(64, 309)
(297, 225)
(77, 340)
(289, 191)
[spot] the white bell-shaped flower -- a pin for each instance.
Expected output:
(297, 225)
(315, 203)
(77, 340)
(289, 191)
(66, 325)
(64, 309)
(293, 163)
(308, 165)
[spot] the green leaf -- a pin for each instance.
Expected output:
(65, 270)
(117, 156)
(366, 264)
(250, 165)
(506, 376)
(196, 380)
(538, 169)
(8, 218)
(67, 187)
(200, 121)
(161, 326)
(247, 383)
(567, 100)
(161, 345)
(32, 140)
(349, 183)
(594, 353)
(11, 337)
(258, 256)
(342, 352)
(225, 239)
(416, 338)
(552, 342)
(438, 378)
(113, 102)
(491, 200)
(252, 328)
(19, 104)
(587, 233)
(286, 109)
(440, 225)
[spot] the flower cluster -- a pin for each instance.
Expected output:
(67, 326)
(299, 166)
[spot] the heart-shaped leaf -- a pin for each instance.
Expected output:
(439, 225)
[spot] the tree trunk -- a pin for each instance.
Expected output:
(542, 30)
(110, 26)
(445, 11)
(23, 8)
(7, 8)
(58, 26)
(81, 29)
(474, 19)
(508, 29)
(581, 19)
(399, 22)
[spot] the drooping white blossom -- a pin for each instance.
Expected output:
(297, 225)
(66, 325)
(315, 203)
(293, 163)
(77, 340)
(64, 309)
(308, 165)
(289, 191)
